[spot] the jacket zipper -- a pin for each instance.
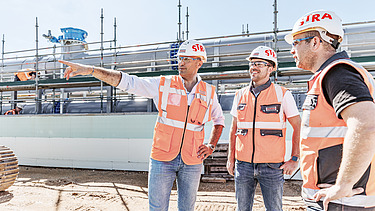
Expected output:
(183, 134)
(255, 112)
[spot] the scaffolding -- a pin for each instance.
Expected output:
(226, 67)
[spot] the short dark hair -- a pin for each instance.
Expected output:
(272, 63)
(32, 73)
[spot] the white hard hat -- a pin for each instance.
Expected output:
(322, 21)
(192, 48)
(263, 52)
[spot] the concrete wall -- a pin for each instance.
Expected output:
(100, 141)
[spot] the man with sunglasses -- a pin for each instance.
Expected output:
(185, 103)
(257, 135)
(338, 124)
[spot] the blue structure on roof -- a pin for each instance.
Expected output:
(69, 33)
(173, 55)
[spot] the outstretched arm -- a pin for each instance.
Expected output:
(111, 77)
(358, 151)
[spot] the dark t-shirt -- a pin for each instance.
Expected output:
(343, 86)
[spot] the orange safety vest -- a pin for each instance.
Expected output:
(322, 136)
(179, 127)
(10, 112)
(24, 76)
(261, 126)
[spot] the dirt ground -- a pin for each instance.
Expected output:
(59, 189)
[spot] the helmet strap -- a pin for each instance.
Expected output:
(334, 43)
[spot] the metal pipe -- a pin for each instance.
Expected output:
(179, 21)
(101, 58)
(46, 48)
(275, 29)
(161, 50)
(2, 71)
(187, 23)
(37, 103)
(2, 58)
(61, 53)
(54, 62)
(114, 97)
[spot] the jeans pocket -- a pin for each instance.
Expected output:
(275, 165)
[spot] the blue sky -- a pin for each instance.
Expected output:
(145, 21)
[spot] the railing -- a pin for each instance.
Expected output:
(226, 66)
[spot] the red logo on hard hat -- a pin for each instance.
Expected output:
(315, 17)
(270, 53)
(197, 47)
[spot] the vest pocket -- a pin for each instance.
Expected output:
(163, 137)
(265, 132)
(174, 99)
(241, 139)
(241, 111)
(198, 109)
(270, 109)
(197, 141)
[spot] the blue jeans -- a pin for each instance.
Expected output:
(270, 178)
(160, 181)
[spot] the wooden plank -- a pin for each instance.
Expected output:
(219, 154)
(6, 151)
(214, 179)
(218, 168)
(222, 147)
(10, 163)
(215, 174)
(227, 177)
(215, 161)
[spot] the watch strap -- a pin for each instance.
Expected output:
(295, 158)
(211, 146)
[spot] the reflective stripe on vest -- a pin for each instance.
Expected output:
(208, 100)
(23, 76)
(322, 132)
(268, 130)
(166, 89)
(179, 127)
(179, 124)
(262, 125)
(164, 99)
(280, 96)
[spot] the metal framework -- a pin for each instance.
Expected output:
(226, 67)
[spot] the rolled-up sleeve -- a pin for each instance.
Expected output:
(217, 115)
(146, 87)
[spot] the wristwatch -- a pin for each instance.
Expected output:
(295, 158)
(211, 146)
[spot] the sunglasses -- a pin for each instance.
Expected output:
(297, 41)
(187, 59)
(258, 64)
